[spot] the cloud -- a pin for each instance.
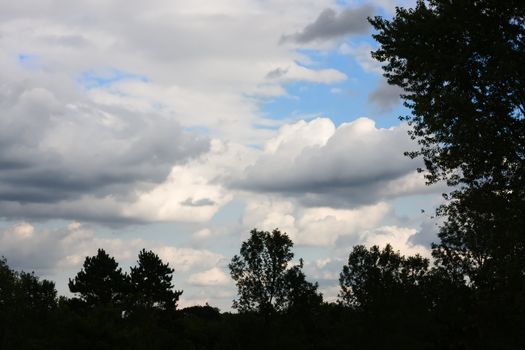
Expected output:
(185, 259)
(398, 237)
(317, 226)
(331, 25)
(353, 165)
(212, 277)
(45, 250)
(385, 96)
(48, 250)
(362, 55)
(295, 72)
(56, 145)
(101, 117)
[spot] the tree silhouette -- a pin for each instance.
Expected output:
(375, 277)
(302, 296)
(151, 283)
(462, 67)
(101, 281)
(265, 281)
(26, 304)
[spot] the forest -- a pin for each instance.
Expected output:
(461, 65)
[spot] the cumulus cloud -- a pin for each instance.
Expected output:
(398, 237)
(57, 145)
(317, 226)
(353, 165)
(101, 117)
(330, 25)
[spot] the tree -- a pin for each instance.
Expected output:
(302, 295)
(26, 307)
(151, 283)
(462, 67)
(374, 278)
(101, 281)
(265, 281)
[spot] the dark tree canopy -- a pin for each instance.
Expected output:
(302, 296)
(462, 66)
(100, 281)
(264, 279)
(377, 276)
(151, 283)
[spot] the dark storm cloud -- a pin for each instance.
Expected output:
(330, 25)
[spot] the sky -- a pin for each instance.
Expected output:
(179, 126)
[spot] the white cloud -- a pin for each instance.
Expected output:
(212, 277)
(398, 237)
(295, 72)
(353, 165)
(185, 259)
(314, 226)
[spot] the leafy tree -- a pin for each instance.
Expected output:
(26, 305)
(265, 281)
(101, 281)
(374, 278)
(462, 67)
(151, 283)
(302, 295)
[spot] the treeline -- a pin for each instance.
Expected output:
(385, 300)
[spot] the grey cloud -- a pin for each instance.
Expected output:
(56, 148)
(385, 96)
(276, 73)
(73, 41)
(427, 233)
(198, 203)
(330, 25)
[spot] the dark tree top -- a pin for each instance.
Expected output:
(462, 66)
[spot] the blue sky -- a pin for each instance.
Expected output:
(180, 126)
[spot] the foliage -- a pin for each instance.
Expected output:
(100, 281)
(374, 276)
(25, 303)
(151, 283)
(462, 67)
(265, 281)
(302, 296)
